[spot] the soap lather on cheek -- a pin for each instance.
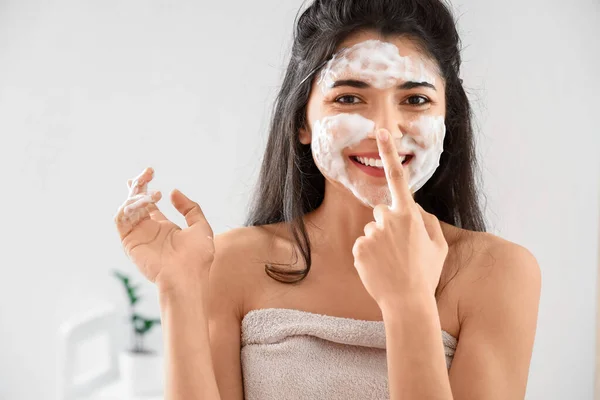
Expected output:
(333, 134)
(427, 149)
(379, 64)
(428, 131)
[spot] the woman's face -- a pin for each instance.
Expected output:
(371, 84)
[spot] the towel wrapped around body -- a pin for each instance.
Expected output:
(297, 355)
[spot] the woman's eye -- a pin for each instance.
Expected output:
(415, 100)
(338, 100)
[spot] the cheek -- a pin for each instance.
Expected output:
(425, 139)
(342, 130)
(428, 132)
(336, 133)
(327, 137)
(329, 145)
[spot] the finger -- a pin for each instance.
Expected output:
(140, 202)
(153, 209)
(139, 183)
(127, 221)
(370, 228)
(380, 213)
(433, 226)
(189, 209)
(135, 210)
(155, 213)
(394, 171)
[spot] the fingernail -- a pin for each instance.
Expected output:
(383, 135)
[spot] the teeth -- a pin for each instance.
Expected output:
(373, 162)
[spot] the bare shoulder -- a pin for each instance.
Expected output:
(238, 265)
(229, 285)
(236, 247)
(232, 245)
(497, 270)
(494, 257)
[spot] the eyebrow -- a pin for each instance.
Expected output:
(363, 85)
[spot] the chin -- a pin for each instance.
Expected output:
(371, 196)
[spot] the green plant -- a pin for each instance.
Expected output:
(141, 325)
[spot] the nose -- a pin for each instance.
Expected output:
(389, 117)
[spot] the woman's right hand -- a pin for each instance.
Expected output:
(166, 254)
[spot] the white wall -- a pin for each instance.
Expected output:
(92, 92)
(534, 68)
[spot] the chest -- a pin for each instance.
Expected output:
(336, 290)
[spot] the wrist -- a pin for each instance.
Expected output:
(418, 301)
(182, 287)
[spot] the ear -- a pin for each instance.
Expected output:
(304, 136)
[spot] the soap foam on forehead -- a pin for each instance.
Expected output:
(378, 63)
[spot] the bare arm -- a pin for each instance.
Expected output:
(179, 262)
(227, 290)
(203, 309)
(415, 351)
(492, 358)
(188, 362)
(498, 329)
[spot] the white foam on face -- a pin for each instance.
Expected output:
(375, 62)
(379, 64)
(333, 134)
(426, 141)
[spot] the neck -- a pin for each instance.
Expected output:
(336, 224)
(340, 219)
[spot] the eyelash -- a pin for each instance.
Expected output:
(426, 100)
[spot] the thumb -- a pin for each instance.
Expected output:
(188, 208)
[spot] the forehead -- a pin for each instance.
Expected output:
(381, 62)
(405, 46)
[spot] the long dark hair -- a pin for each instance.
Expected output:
(290, 185)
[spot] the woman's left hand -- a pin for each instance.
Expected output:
(403, 250)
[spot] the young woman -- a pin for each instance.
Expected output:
(368, 175)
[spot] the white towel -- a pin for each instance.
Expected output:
(297, 355)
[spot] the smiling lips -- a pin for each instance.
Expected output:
(371, 164)
(373, 159)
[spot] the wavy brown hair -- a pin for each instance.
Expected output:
(290, 185)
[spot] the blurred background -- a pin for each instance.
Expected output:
(91, 92)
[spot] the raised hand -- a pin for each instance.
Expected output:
(165, 254)
(404, 249)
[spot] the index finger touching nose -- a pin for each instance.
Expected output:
(394, 171)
